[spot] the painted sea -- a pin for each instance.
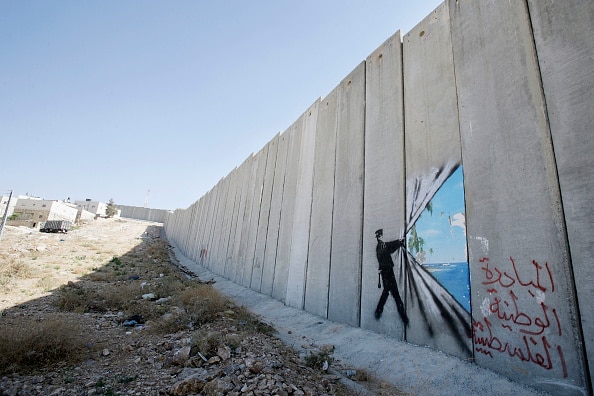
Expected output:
(454, 277)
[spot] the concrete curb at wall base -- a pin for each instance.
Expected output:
(410, 368)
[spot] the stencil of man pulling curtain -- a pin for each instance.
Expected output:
(431, 314)
(384, 251)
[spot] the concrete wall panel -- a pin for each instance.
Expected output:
(235, 262)
(432, 141)
(344, 302)
(260, 251)
(296, 275)
(283, 251)
(209, 206)
(384, 175)
(217, 238)
(235, 231)
(566, 60)
(521, 291)
(200, 229)
(242, 260)
(258, 189)
(296, 166)
(230, 218)
(212, 223)
(322, 207)
(276, 200)
(193, 214)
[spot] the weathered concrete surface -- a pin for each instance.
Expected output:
(295, 294)
(523, 317)
(274, 218)
(285, 232)
(230, 216)
(566, 60)
(384, 175)
(246, 213)
(141, 213)
(322, 207)
(264, 216)
(243, 181)
(344, 302)
(256, 214)
(432, 140)
(221, 240)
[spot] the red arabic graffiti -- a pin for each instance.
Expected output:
(531, 321)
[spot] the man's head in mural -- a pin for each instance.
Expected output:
(379, 233)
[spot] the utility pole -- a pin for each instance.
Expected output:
(5, 214)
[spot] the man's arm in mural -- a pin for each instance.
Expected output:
(392, 246)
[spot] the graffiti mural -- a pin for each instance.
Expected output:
(438, 239)
(433, 272)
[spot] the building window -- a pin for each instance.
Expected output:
(43, 206)
(40, 216)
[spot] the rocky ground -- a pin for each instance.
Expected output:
(232, 354)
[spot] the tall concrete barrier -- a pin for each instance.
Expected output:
(346, 250)
(383, 206)
(432, 142)
(439, 195)
(142, 213)
(322, 208)
(295, 294)
(274, 218)
(264, 215)
(522, 291)
(567, 71)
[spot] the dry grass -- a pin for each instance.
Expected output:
(14, 268)
(27, 344)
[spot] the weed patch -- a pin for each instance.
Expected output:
(27, 344)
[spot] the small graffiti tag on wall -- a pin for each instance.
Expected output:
(517, 303)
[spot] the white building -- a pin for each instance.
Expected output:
(35, 210)
(95, 207)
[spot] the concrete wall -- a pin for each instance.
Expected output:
(141, 213)
(502, 90)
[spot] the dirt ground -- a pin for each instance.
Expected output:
(132, 360)
(51, 260)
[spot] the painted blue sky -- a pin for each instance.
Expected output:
(111, 99)
(444, 230)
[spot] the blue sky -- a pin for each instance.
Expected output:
(111, 99)
(446, 238)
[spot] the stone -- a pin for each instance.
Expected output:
(181, 356)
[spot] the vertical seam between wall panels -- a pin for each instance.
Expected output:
(258, 223)
(232, 230)
(562, 208)
(269, 211)
(336, 129)
(403, 179)
(280, 217)
(215, 206)
(361, 229)
(462, 162)
(306, 266)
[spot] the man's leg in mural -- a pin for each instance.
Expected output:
(391, 286)
(382, 301)
(399, 304)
